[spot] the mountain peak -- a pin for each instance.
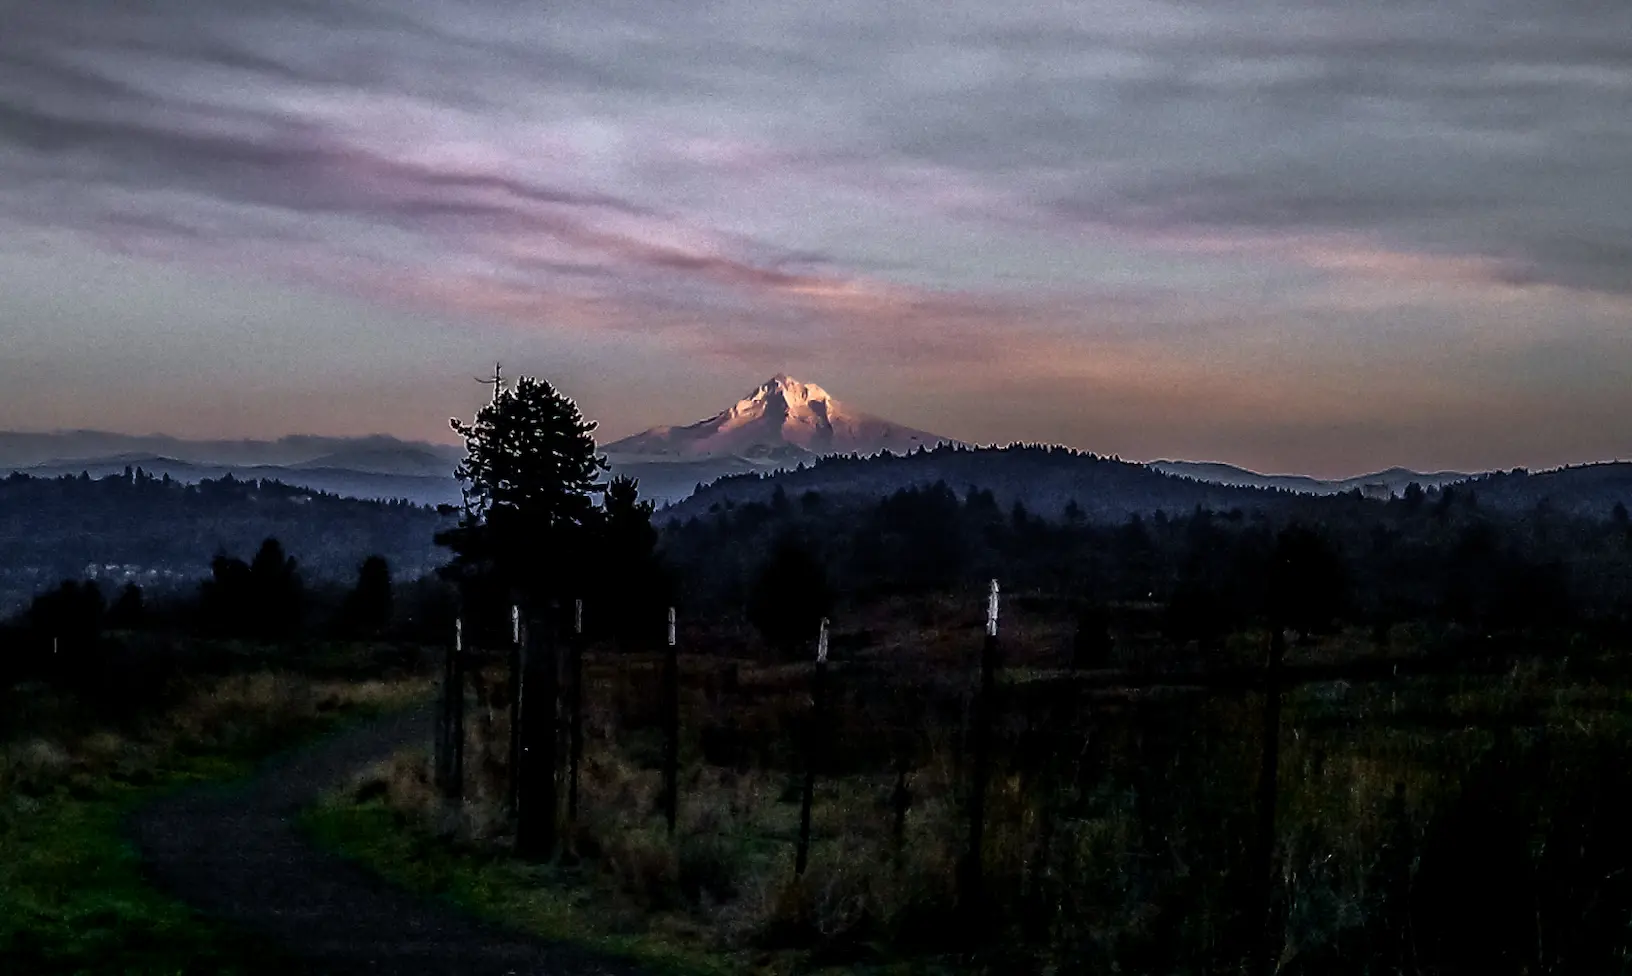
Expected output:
(783, 419)
(785, 389)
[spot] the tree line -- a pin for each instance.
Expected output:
(541, 527)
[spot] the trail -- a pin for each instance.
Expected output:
(234, 853)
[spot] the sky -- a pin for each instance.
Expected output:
(1321, 236)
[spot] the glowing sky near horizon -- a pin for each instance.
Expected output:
(1313, 236)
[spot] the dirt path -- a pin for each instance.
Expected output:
(234, 853)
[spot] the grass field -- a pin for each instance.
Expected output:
(1119, 821)
(72, 895)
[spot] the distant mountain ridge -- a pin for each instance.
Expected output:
(25, 449)
(778, 427)
(364, 485)
(376, 467)
(1391, 481)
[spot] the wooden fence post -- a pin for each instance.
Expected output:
(461, 660)
(671, 729)
(971, 894)
(1263, 864)
(444, 712)
(813, 750)
(575, 740)
(535, 823)
(451, 725)
(515, 708)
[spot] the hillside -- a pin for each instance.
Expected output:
(163, 533)
(1590, 490)
(1046, 479)
(1043, 479)
(321, 475)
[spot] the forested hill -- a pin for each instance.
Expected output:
(1047, 479)
(160, 532)
(1588, 490)
(1044, 479)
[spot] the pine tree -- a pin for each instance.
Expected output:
(275, 591)
(628, 520)
(1307, 581)
(634, 587)
(225, 598)
(368, 606)
(129, 611)
(528, 475)
(790, 596)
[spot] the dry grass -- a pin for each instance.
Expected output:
(1119, 822)
(233, 716)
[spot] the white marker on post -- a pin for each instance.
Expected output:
(991, 611)
(458, 633)
(578, 616)
(515, 624)
(671, 626)
(821, 644)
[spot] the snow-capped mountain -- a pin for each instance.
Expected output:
(783, 421)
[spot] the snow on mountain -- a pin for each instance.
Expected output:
(784, 421)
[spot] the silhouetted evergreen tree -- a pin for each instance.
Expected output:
(634, 588)
(368, 606)
(263, 598)
(1135, 552)
(529, 472)
(129, 611)
(915, 538)
(226, 599)
(1307, 581)
(1198, 609)
(276, 593)
(790, 596)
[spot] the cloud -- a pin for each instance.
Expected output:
(949, 186)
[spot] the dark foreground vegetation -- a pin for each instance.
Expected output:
(1121, 808)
